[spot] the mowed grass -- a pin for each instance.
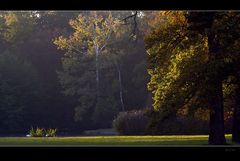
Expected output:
(109, 141)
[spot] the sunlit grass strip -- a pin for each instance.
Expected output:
(111, 140)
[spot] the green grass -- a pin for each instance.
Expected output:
(110, 140)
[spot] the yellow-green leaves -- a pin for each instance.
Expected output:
(173, 58)
(90, 32)
(61, 42)
(15, 25)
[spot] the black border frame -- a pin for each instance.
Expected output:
(119, 5)
(120, 153)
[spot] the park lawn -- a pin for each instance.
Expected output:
(109, 140)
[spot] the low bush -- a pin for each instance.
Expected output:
(38, 132)
(51, 132)
(131, 123)
(32, 132)
(41, 132)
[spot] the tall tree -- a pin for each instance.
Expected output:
(90, 39)
(214, 62)
(204, 25)
(223, 56)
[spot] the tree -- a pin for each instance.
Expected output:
(179, 77)
(217, 132)
(230, 54)
(117, 60)
(91, 37)
(223, 52)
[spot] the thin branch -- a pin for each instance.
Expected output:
(106, 42)
(79, 51)
(130, 16)
(135, 25)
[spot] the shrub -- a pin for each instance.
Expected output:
(41, 132)
(38, 132)
(32, 132)
(51, 132)
(131, 123)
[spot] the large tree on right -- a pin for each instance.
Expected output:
(189, 58)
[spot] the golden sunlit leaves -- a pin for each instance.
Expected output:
(161, 20)
(61, 42)
(90, 33)
(10, 19)
(173, 58)
(15, 25)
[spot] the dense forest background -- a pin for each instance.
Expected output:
(152, 72)
(42, 86)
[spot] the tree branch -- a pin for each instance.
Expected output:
(79, 51)
(106, 42)
(130, 16)
(135, 25)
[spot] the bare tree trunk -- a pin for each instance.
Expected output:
(217, 132)
(236, 114)
(120, 85)
(236, 122)
(203, 23)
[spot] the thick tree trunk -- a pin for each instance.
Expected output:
(120, 86)
(217, 132)
(236, 123)
(236, 114)
(216, 135)
(203, 23)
